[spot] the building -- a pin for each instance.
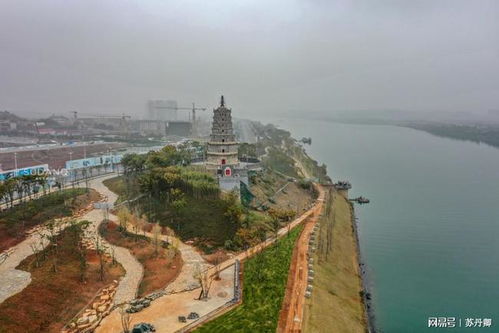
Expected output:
(222, 151)
(6, 126)
(222, 147)
(163, 128)
(161, 109)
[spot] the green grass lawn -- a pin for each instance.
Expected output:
(265, 277)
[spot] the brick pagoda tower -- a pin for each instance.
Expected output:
(222, 148)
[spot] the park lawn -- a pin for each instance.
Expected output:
(14, 222)
(159, 269)
(336, 304)
(52, 299)
(265, 276)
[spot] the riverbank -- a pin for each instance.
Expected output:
(336, 303)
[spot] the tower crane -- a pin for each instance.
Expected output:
(193, 109)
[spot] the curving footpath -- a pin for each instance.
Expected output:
(13, 281)
(129, 284)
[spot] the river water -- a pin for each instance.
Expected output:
(430, 236)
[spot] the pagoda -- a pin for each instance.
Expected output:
(222, 148)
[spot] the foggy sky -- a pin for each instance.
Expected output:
(267, 57)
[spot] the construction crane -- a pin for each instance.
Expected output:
(193, 109)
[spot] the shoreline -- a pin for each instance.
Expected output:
(366, 301)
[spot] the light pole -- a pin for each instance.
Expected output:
(15, 161)
(70, 168)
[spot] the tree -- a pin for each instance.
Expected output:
(100, 248)
(156, 231)
(177, 205)
(125, 319)
(234, 210)
(10, 189)
(124, 218)
(205, 280)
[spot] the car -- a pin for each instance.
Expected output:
(182, 319)
(193, 315)
(143, 328)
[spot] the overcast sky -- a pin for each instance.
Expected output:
(279, 57)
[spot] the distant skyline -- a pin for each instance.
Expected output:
(279, 58)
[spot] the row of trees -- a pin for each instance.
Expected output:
(134, 164)
(22, 186)
(130, 220)
(161, 181)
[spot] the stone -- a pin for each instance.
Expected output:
(82, 320)
(82, 326)
(104, 297)
(102, 308)
(92, 318)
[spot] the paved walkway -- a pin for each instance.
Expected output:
(129, 284)
(164, 311)
(13, 281)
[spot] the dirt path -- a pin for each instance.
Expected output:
(291, 315)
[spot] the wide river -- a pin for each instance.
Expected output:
(430, 236)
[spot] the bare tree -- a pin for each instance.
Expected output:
(101, 251)
(36, 253)
(205, 280)
(125, 319)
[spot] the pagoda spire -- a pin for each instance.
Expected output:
(222, 102)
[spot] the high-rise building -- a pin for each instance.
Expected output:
(162, 109)
(222, 147)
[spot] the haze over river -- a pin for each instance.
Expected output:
(430, 236)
